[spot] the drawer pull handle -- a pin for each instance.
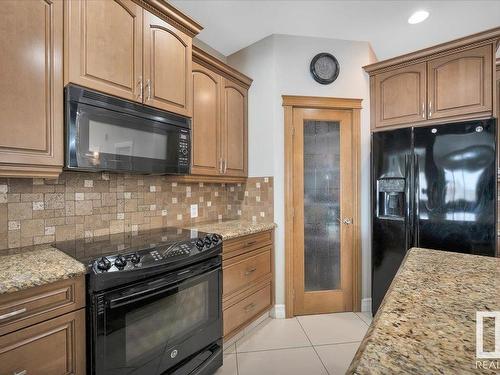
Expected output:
(23, 372)
(249, 243)
(250, 271)
(11, 314)
(249, 307)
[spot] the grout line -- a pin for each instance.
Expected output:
(237, 364)
(274, 349)
(253, 331)
(315, 351)
(339, 343)
(360, 318)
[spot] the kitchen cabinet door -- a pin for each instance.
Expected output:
(167, 66)
(104, 46)
(53, 347)
(206, 125)
(234, 133)
(460, 83)
(31, 88)
(399, 96)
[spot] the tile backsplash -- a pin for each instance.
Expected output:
(77, 205)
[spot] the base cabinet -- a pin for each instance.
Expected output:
(248, 280)
(54, 347)
(42, 329)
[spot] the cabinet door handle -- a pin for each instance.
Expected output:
(225, 166)
(249, 307)
(12, 313)
(250, 271)
(423, 110)
(140, 89)
(430, 108)
(148, 85)
(22, 372)
(220, 165)
(249, 243)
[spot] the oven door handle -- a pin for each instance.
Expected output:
(153, 290)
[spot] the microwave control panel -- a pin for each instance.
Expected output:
(184, 150)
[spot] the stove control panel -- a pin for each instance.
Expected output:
(156, 254)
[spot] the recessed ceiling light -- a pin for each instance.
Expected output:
(418, 16)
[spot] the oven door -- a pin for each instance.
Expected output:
(153, 326)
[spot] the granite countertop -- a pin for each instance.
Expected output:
(426, 323)
(233, 228)
(24, 268)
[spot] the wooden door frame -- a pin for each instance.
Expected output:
(354, 106)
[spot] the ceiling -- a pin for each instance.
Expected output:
(230, 25)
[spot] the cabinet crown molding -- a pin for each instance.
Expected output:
(172, 15)
(320, 102)
(474, 40)
(204, 58)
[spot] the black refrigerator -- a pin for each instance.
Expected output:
(432, 187)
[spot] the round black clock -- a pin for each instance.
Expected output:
(324, 68)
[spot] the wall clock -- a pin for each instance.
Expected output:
(324, 68)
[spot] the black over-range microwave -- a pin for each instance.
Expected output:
(106, 133)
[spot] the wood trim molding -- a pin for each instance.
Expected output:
(28, 170)
(207, 179)
(172, 15)
(475, 40)
(204, 58)
(320, 102)
(354, 106)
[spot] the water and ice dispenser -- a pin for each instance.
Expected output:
(391, 198)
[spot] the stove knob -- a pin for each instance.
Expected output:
(120, 261)
(103, 264)
(208, 241)
(200, 244)
(135, 258)
(215, 238)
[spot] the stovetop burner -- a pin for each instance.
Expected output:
(128, 255)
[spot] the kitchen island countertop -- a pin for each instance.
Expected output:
(427, 321)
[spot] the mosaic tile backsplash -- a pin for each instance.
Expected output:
(78, 205)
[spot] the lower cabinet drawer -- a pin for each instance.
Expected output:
(240, 274)
(54, 347)
(247, 309)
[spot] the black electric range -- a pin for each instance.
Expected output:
(154, 302)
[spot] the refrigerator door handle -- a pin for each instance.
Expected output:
(407, 196)
(416, 202)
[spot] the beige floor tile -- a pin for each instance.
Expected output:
(274, 334)
(366, 317)
(333, 328)
(338, 357)
(230, 349)
(230, 366)
(299, 361)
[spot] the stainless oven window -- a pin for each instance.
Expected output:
(162, 321)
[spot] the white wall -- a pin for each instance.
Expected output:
(279, 65)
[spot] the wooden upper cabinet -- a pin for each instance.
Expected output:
(104, 46)
(206, 142)
(167, 66)
(234, 131)
(31, 88)
(400, 95)
(460, 83)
